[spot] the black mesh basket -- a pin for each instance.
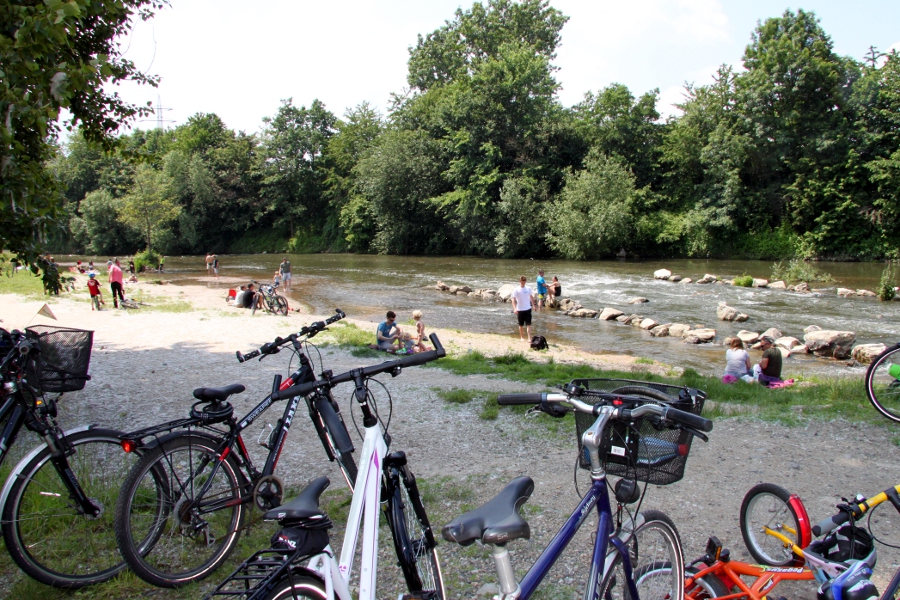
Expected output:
(65, 354)
(638, 450)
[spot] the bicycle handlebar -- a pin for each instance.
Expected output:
(407, 361)
(667, 413)
(274, 346)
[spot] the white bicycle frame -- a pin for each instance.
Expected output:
(366, 502)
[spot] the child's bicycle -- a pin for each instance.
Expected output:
(838, 553)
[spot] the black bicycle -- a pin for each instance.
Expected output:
(57, 502)
(182, 506)
(270, 300)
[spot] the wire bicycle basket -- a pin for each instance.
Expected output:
(64, 358)
(640, 450)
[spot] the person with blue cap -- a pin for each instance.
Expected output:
(94, 288)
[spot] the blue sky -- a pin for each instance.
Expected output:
(240, 59)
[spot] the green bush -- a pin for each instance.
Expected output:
(147, 258)
(798, 270)
(886, 286)
(744, 280)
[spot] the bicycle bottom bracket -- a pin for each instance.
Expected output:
(268, 493)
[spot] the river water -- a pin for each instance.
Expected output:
(365, 286)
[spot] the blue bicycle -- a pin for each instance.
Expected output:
(640, 435)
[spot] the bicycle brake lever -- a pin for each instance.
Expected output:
(696, 433)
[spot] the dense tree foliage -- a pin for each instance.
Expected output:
(796, 154)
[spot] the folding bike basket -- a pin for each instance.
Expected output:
(638, 449)
(65, 354)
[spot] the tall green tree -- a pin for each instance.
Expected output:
(56, 55)
(149, 206)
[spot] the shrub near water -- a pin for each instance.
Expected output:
(744, 281)
(798, 270)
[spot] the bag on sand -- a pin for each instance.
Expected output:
(539, 342)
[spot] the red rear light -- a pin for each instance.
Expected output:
(617, 403)
(128, 445)
(682, 449)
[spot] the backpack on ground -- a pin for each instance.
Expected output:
(539, 342)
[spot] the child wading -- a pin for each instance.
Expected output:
(96, 295)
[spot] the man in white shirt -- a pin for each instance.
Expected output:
(521, 301)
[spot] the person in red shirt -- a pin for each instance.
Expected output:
(94, 288)
(116, 283)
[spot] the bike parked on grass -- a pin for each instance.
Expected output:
(385, 480)
(184, 503)
(57, 502)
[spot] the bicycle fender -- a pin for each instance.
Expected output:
(295, 570)
(335, 426)
(14, 474)
(156, 442)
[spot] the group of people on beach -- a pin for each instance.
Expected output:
(116, 280)
(248, 295)
(391, 338)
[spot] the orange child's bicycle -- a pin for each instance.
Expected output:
(778, 533)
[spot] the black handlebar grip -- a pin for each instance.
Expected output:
(296, 390)
(830, 523)
(245, 357)
(437, 345)
(240, 356)
(688, 419)
(513, 399)
(421, 358)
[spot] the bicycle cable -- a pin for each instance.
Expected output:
(373, 403)
(872, 531)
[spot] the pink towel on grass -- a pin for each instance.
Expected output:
(729, 379)
(781, 384)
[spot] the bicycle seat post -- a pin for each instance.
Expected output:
(505, 574)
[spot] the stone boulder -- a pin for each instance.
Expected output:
(802, 287)
(777, 285)
(648, 324)
(675, 278)
(442, 286)
(830, 343)
(636, 320)
(661, 330)
(699, 336)
(662, 274)
(707, 278)
(748, 337)
(568, 304)
(760, 283)
(865, 353)
(812, 328)
(623, 318)
(784, 352)
(609, 313)
(583, 313)
(788, 342)
(772, 333)
(845, 293)
(638, 300)
(686, 280)
(506, 291)
(678, 329)
(866, 294)
(727, 313)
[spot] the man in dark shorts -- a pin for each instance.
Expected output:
(521, 301)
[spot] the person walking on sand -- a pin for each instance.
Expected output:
(285, 269)
(521, 301)
(116, 282)
(94, 288)
(420, 331)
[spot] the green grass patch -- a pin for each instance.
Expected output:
(644, 361)
(22, 282)
(349, 335)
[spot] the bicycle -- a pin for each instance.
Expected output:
(638, 557)
(182, 506)
(270, 300)
(386, 479)
(883, 383)
(56, 502)
(129, 303)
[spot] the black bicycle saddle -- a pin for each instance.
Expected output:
(496, 522)
(220, 393)
(302, 509)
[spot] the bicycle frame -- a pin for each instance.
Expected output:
(730, 574)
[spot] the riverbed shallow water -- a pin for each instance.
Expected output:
(365, 286)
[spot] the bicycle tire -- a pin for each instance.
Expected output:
(281, 306)
(705, 587)
(298, 587)
(161, 548)
(406, 516)
(767, 505)
(337, 437)
(45, 533)
(882, 388)
(656, 559)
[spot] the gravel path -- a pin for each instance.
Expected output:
(146, 363)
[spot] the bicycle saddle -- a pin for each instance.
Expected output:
(496, 522)
(219, 393)
(304, 509)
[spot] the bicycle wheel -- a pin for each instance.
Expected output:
(281, 305)
(411, 531)
(766, 506)
(883, 383)
(47, 535)
(168, 535)
(298, 587)
(706, 587)
(656, 559)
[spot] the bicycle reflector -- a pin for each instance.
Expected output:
(128, 445)
(804, 536)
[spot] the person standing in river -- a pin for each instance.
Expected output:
(285, 269)
(541, 290)
(521, 301)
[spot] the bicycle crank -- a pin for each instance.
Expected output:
(268, 493)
